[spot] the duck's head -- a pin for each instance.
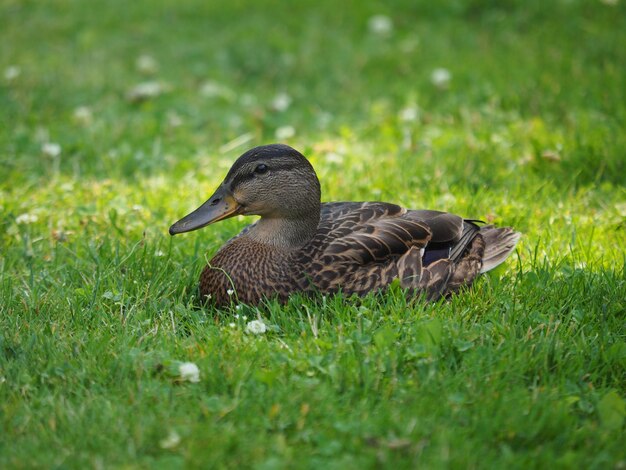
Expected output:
(273, 181)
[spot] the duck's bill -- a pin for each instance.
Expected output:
(220, 206)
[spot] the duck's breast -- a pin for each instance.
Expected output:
(245, 271)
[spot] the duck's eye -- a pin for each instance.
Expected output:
(260, 169)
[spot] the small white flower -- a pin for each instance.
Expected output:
(11, 73)
(174, 119)
(256, 327)
(285, 132)
(146, 64)
(281, 102)
(440, 77)
(159, 253)
(137, 207)
(144, 91)
(380, 24)
(211, 89)
(238, 307)
(447, 199)
(189, 372)
(83, 115)
(26, 219)
(171, 441)
(409, 114)
(230, 292)
(232, 325)
(333, 157)
(51, 149)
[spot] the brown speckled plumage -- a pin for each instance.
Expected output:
(352, 247)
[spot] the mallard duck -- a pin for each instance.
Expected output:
(302, 245)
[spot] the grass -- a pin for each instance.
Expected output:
(525, 369)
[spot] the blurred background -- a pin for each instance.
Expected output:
(128, 114)
(152, 87)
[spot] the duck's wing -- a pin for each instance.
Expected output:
(361, 247)
(388, 229)
(369, 232)
(356, 247)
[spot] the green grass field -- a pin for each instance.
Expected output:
(117, 118)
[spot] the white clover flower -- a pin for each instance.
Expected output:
(146, 64)
(83, 115)
(174, 119)
(440, 77)
(281, 102)
(333, 157)
(447, 199)
(230, 292)
(189, 372)
(256, 327)
(51, 149)
(11, 73)
(380, 24)
(146, 90)
(171, 441)
(25, 219)
(409, 114)
(285, 132)
(212, 89)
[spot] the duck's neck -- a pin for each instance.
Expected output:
(285, 233)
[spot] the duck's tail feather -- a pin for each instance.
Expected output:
(468, 267)
(499, 243)
(488, 248)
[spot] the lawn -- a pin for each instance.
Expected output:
(117, 118)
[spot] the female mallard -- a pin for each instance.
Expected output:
(300, 244)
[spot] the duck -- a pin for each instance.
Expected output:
(302, 245)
